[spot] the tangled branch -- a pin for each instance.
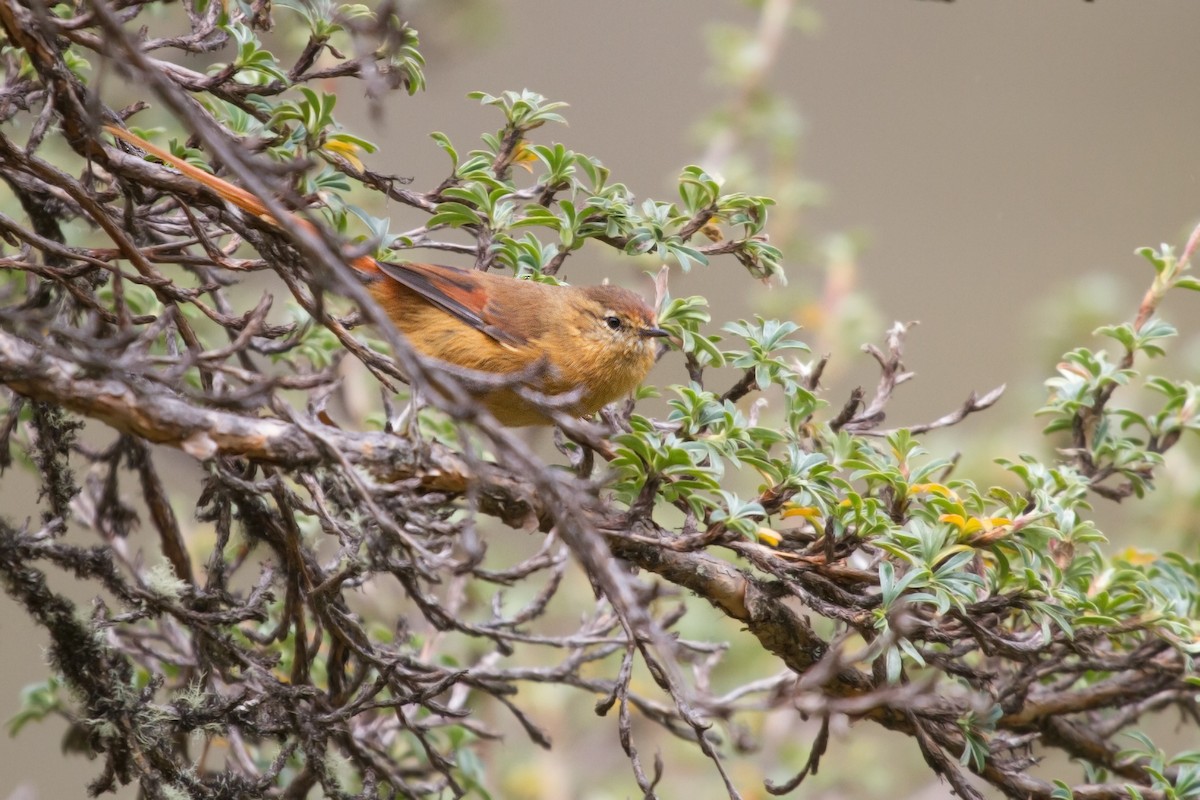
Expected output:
(985, 624)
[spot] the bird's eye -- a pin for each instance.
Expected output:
(614, 323)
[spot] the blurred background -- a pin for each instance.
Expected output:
(985, 168)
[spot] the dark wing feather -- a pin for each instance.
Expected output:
(458, 292)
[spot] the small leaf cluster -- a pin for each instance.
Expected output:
(685, 457)
(1117, 441)
(570, 194)
(1176, 776)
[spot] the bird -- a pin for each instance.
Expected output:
(582, 347)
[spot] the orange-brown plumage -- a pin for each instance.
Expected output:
(588, 345)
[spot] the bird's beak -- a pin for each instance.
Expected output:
(646, 333)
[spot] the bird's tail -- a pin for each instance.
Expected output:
(236, 195)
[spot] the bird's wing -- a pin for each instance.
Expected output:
(459, 292)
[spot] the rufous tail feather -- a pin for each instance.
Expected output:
(236, 195)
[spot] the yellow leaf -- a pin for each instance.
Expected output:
(347, 150)
(711, 230)
(970, 525)
(933, 488)
(811, 513)
(769, 536)
(524, 157)
(956, 520)
(1137, 556)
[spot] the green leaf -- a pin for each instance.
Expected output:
(443, 141)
